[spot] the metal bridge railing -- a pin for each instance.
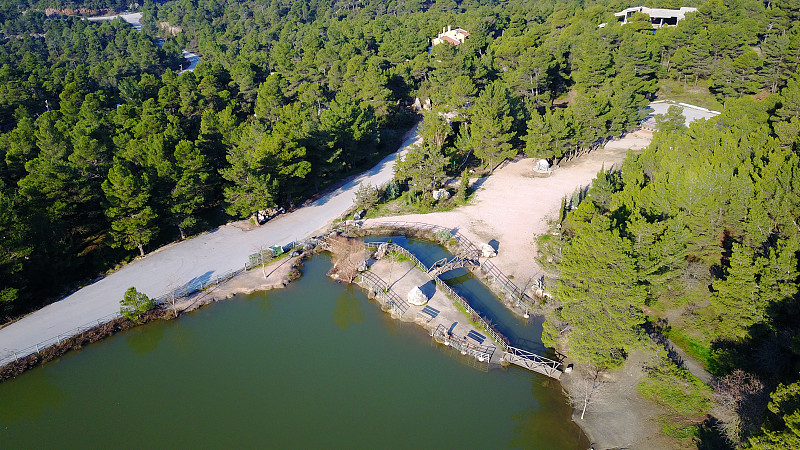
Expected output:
(482, 353)
(469, 250)
(384, 293)
(532, 361)
(475, 315)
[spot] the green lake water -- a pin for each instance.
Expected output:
(315, 365)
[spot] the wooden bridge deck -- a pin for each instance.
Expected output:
(443, 265)
(532, 361)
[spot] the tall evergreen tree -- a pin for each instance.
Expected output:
(492, 125)
(133, 221)
(192, 187)
(599, 294)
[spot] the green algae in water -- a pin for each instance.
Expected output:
(310, 366)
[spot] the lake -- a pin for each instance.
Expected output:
(313, 365)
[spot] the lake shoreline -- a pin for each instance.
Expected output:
(275, 275)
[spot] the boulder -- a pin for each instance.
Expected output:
(363, 266)
(417, 297)
(542, 166)
(441, 194)
(382, 250)
(488, 251)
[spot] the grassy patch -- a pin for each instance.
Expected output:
(676, 389)
(700, 96)
(697, 348)
(679, 431)
(399, 257)
(478, 326)
(406, 205)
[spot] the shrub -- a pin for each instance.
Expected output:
(675, 388)
(392, 191)
(134, 304)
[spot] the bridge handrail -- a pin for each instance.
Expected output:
(402, 250)
(382, 290)
(533, 357)
(488, 328)
(496, 335)
(461, 343)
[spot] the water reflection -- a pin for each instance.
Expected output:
(262, 299)
(226, 379)
(530, 425)
(348, 310)
(142, 340)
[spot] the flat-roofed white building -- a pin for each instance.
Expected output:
(659, 17)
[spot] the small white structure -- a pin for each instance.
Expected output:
(542, 166)
(659, 17)
(417, 297)
(455, 37)
(382, 250)
(488, 251)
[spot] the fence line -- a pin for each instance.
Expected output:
(532, 361)
(475, 315)
(399, 249)
(481, 353)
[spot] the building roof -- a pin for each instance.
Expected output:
(452, 36)
(657, 12)
(450, 40)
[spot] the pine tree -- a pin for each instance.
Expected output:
(737, 298)
(599, 293)
(134, 304)
(423, 168)
(250, 189)
(492, 125)
(192, 188)
(133, 220)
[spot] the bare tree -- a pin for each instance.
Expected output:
(346, 255)
(587, 391)
(741, 400)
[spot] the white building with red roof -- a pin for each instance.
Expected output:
(454, 37)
